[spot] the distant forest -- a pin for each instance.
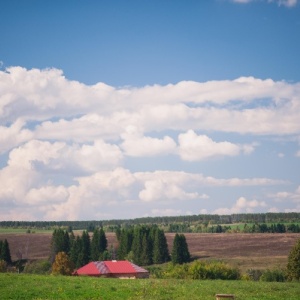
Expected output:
(262, 222)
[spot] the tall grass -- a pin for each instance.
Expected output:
(21, 286)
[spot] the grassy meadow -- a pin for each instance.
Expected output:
(21, 286)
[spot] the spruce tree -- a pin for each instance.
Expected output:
(95, 245)
(86, 248)
(125, 242)
(160, 247)
(59, 243)
(76, 255)
(180, 252)
(102, 241)
(137, 245)
(146, 253)
(5, 252)
(293, 266)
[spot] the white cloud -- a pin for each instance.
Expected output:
(107, 193)
(135, 144)
(287, 3)
(284, 195)
(242, 205)
(13, 136)
(193, 147)
(61, 156)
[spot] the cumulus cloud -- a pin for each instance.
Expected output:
(13, 135)
(193, 147)
(64, 144)
(135, 144)
(59, 156)
(242, 205)
(106, 193)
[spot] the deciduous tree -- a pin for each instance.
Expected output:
(62, 265)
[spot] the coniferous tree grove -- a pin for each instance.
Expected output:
(98, 244)
(80, 249)
(144, 245)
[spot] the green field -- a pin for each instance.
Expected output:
(21, 286)
(9, 230)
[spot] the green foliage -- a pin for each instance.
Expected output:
(38, 267)
(125, 238)
(254, 274)
(293, 266)
(213, 270)
(273, 275)
(98, 244)
(202, 270)
(5, 252)
(85, 253)
(180, 251)
(3, 266)
(60, 242)
(160, 247)
(143, 245)
(76, 252)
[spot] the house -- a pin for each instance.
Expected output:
(114, 269)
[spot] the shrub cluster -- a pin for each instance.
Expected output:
(275, 275)
(197, 270)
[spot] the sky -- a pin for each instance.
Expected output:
(128, 109)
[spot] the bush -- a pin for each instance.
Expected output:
(38, 267)
(273, 275)
(213, 270)
(254, 274)
(3, 266)
(202, 270)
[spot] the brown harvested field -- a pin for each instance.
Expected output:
(242, 250)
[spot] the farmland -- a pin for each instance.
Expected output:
(258, 251)
(245, 251)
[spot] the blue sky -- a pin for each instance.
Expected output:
(124, 109)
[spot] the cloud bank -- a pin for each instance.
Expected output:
(75, 151)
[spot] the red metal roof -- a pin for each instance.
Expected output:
(97, 268)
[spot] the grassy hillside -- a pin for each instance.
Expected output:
(14, 286)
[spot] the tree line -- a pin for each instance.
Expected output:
(166, 222)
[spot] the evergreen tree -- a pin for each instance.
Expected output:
(76, 255)
(5, 252)
(146, 254)
(59, 243)
(137, 245)
(102, 241)
(180, 252)
(160, 247)
(125, 243)
(95, 245)
(98, 244)
(293, 266)
(85, 254)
